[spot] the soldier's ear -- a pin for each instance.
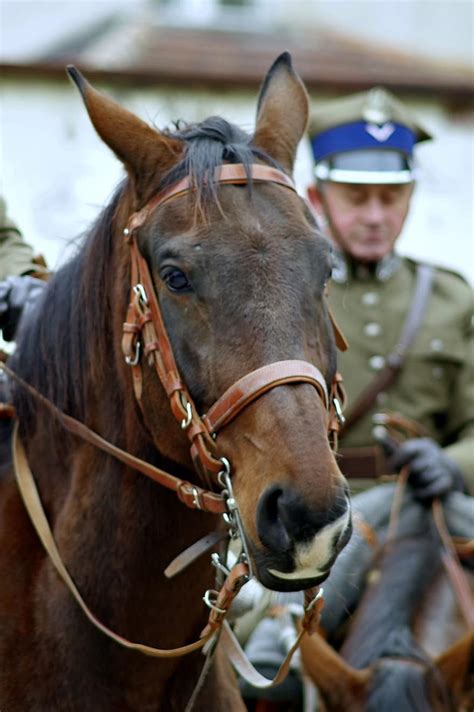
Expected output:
(314, 198)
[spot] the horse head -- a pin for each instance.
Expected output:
(395, 650)
(239, 272)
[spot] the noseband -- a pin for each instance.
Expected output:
(144, 333)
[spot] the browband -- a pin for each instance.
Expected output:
(227, 173)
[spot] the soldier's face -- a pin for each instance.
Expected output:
(363, 220)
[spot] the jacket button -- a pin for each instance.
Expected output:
(437, 344)
(372, 329)
(376, 363)
(370, 298)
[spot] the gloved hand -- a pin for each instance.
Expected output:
(432, 472)
(17, 295)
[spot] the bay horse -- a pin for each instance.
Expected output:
(406, 644)
(217, 267)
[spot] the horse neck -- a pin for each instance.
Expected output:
(388, 605)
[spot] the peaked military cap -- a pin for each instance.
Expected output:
(367, 137)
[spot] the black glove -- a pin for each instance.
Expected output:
(432, 472)
(17, 296)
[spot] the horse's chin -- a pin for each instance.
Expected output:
(288, 585)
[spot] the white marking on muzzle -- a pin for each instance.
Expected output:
(311, 559)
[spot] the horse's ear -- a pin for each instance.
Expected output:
(142, 149)
(282, 112)
(454, 665)
(340, 684)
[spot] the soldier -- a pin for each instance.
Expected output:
(20, 275)
(408, 324)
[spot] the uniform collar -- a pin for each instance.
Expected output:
(345, 268)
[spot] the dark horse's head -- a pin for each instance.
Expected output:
(383, 663)
(239, 273)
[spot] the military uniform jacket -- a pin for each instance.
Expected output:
(16, 256)
(436, 385)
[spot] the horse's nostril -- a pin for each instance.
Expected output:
(270, 527)
(272, 503)
(285, 519)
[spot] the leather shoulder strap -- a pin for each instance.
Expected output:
(396, 359)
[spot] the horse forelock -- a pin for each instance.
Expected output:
(207, 145)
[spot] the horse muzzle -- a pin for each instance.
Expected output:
(300, 544)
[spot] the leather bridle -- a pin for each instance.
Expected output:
(144, 334)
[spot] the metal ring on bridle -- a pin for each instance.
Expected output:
(225, 472)
(338, 409)
(136, 358)
(313, 601)
(139, 290)
(210, 604)
(186, 422)
(196, 498)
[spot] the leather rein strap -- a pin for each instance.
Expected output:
(236, 578)
(29, 493)
(189, 494)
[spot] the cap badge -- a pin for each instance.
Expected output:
(380, 133)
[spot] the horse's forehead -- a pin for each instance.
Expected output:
(235, 218)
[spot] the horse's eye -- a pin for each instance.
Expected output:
(176, 280)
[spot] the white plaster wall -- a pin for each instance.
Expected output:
(56, 174)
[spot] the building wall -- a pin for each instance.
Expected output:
(56, 173)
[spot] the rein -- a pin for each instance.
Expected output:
(449, 553)
(144, 334)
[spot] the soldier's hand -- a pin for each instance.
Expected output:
(17, 295)
(432, 472)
